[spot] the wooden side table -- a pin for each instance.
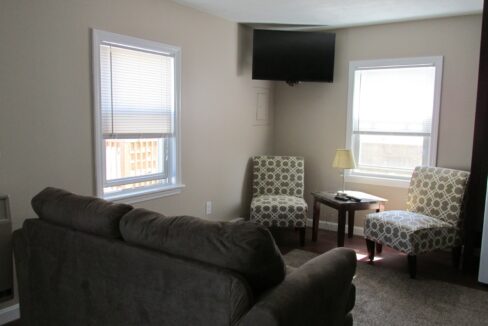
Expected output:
(368, 202)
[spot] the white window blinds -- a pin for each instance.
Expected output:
(137, 88)
(394, 100)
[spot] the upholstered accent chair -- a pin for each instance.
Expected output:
(277, 187)
(432, 220)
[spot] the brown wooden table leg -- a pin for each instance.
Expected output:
(379, 246)
(350, 223)
(341, 227)
(316, 218)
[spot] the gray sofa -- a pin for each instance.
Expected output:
(86, 261)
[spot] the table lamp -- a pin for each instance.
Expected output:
(344, 159)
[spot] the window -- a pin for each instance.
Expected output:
(393, 114)
(136, 87)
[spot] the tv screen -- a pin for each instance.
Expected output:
(293, 56)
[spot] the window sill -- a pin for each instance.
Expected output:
(378, 181)
(144, 195)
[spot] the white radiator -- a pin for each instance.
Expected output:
(483, 273)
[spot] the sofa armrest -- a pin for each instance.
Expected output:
(320, 292)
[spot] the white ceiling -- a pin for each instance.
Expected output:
(332, 13)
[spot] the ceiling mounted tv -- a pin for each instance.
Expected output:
(293, 56)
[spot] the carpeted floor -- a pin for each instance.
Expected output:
(386, 297)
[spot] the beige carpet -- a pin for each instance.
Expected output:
(384, 297)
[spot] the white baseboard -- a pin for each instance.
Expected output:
(9, 314)
(332, 226)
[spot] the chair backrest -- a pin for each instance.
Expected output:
(438, 193)
(278, 175)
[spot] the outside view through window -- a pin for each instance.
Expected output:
(134, 157)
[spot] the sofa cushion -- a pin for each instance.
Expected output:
(243, 247)
(88, 214)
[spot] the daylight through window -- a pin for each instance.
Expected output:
(136, 87)
(393, 116)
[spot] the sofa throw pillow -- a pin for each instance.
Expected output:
(88, 214)
(243, 247)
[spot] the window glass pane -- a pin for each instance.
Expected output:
(390, 152)
(134, 157)
(394, 100)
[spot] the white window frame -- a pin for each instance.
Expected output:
(387, 180)
(175, 185)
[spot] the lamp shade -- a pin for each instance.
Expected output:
(344, 159)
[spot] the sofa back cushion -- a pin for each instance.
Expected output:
(88, 214)
(243, 247)
(74, 278)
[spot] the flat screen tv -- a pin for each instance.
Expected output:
(293, 56)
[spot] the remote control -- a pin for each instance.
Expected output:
(356, 199)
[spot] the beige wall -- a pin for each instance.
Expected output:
(46, 104)
(311, 117)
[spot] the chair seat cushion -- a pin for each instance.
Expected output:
(409, 232)
(279, 210)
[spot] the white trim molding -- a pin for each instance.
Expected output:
(137, 197)
(332, 226)
(378, 181)
(9, 314)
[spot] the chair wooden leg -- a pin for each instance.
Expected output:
(302, 237)
(370, 245)
(412, 265)
(456, 256)
(379, 248)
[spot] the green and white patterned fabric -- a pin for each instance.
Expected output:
(437, 192)
(410, 232)
(278, 175)
(433, 216)
(278, 187)
(279, 210)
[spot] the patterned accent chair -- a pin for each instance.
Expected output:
(277, 187)
(432, 220)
